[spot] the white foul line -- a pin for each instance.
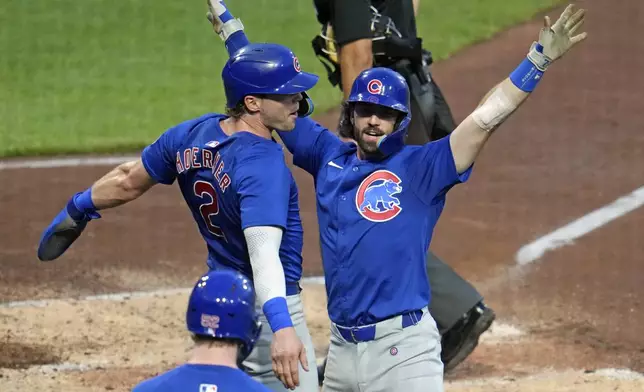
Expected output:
(65, 162)
(567, 234)
(123, 295)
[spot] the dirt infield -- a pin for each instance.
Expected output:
(563, 318)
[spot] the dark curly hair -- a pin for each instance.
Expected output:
(345, 126)
(237, 111)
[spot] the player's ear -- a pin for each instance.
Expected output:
(252, 103)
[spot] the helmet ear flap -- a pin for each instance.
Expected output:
(306, 106)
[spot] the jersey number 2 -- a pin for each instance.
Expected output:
(210, 209)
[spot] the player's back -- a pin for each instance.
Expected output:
(229, 183)
(201, 378)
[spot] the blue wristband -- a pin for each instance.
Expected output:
(277, 313)
(526, 76)
(84, 201)
(236, 41)
(81, 207)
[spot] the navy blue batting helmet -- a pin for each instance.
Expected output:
(266, 69)
(385, 87)
(222, 305)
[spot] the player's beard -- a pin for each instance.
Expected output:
(368, 144)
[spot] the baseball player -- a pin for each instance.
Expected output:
(357, 35)
(225, 326)
(233, 177)
(378, 202)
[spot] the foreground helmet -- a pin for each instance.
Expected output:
(385, 87)
(222, 305)
(266, 69)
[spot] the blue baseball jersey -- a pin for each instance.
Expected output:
(201, 378)
(230, 183)
(376, 220)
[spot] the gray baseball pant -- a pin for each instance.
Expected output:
(398, 359)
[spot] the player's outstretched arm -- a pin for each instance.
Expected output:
(124, 183)
(468, 138)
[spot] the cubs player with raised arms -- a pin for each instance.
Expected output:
(224, 327)
(233, 177)
(378, 202)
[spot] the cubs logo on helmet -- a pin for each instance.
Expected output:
(374, 86)
(375, 198)
(296, 64)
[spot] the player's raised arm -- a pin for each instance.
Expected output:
(468, 138)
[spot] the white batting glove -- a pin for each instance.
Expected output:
(555, 40)
(224, 30)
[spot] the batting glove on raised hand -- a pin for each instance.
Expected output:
(66, 227)
(222, 20)
(555, 40)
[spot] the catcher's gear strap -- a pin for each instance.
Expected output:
(328, 58)
(494, 110)
(421, 90)
(263, 244)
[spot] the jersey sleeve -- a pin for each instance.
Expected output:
(263, 186)
(160, 157)
(435, 170)
(309, 142)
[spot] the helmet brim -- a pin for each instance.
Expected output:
(379, 100)
(303, 81)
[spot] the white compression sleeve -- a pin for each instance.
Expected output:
(263, 249)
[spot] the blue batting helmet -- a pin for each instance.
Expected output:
(266, 69)
(222, 305)
(385, 87)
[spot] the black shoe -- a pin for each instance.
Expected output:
(461, 340)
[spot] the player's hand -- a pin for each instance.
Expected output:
(559, 38)
(286, 351)
(66, 227)
(215, 9)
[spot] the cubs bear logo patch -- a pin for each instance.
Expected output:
(375, 198)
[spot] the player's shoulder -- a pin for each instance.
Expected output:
(434, 145)
(205, 120)
(248, 146)
(251, 384)
(158, 383)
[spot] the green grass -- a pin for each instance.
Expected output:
(111, 75)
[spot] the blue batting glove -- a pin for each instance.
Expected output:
(67, 226)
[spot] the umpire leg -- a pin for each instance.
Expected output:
(458, 310)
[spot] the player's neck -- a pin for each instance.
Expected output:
(249, 124)
(205, 354)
